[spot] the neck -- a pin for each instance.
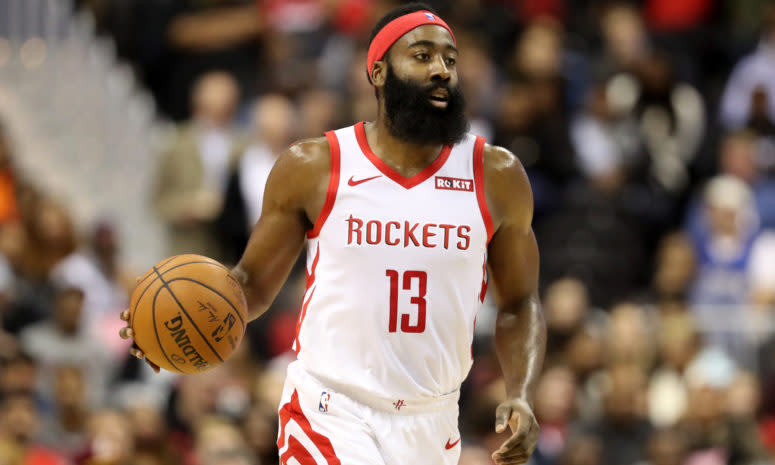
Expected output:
(406, 158)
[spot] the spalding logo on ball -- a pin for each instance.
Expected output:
(188, 313)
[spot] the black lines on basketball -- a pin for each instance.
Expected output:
(200, 320)
(191, 320)
(156, 327)
(214, 291)
(150, 272)
(158, 275)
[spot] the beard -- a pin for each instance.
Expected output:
(412, 118)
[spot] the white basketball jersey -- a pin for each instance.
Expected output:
(395, 272)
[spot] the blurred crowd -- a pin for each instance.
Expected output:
(647, 129)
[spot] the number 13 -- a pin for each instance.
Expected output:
(419, 300)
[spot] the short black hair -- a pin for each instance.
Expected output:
(396, 12)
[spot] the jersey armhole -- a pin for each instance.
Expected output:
(333, 185)
(479, 183)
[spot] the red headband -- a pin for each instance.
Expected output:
(393, 31)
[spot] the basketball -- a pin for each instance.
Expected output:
(188, 313)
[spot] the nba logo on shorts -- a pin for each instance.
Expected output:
(324, 399)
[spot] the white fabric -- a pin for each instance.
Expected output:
(215, 151)
(761, 270)
(357, 433)
(345, 335)
(255, 166)
(101, 296)
(754, 70)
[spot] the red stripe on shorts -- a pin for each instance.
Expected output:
(292, 411)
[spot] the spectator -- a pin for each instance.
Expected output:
(666, 447)
(671, 118)
(110, 440)
(754, 72)
(216, 437)
(739, 156)
(555, 407)
(19, 374)
(19, 423)
(625, 41)
(64, 429)
(674, 270)
(273, 118)
(566, 304)
(724, 247)
(623, 429)
(62, 340)
(149, 431)
(194, 168)
(105, 286)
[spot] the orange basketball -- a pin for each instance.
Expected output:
(188, 313)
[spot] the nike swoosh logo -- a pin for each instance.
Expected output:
(352, 182)
(451, 445)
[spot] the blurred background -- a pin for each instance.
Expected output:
(131, 130)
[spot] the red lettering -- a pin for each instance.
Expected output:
(446, 228)
(351, 222)
(462, 233)
(409, 234)
(387, 232)
(426, 234)
(377, 229)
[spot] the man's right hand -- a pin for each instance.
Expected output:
(127, 333)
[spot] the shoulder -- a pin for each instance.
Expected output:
(308, 154)
(302, 171)
(504, 174)
(506, 186)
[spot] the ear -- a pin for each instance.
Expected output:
(378, 72)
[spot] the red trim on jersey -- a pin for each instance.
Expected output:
(305, 304)
(479, 183)
(483, 291)
(333, 185)
(408, 183)
(292, 411)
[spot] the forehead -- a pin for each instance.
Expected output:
(428, 32)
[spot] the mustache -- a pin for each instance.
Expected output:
(439, 85)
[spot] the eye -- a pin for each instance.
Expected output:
(422, 56)
(451, 60)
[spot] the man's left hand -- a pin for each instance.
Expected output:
(517, 414)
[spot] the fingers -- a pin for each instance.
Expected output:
(126, 333)
(520, 445)
(510, 461)
(502, 415)
(153, 366)
(125, 315)
(524, 428)
(136, 353)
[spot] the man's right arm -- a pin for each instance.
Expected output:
(293, 198)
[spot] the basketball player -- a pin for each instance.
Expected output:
(403, 217)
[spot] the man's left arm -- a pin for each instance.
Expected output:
(520, 331)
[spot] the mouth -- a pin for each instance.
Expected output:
(439, 98)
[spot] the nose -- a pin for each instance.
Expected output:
(439, 70)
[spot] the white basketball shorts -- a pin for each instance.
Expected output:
(320, 425)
